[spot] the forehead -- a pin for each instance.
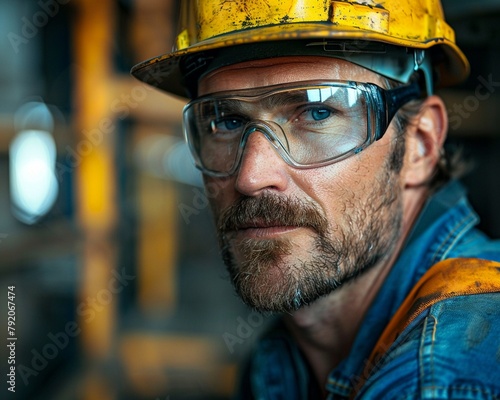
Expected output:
(281, 70)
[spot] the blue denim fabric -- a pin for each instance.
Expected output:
(451, 351)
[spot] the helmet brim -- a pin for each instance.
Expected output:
(178, 72)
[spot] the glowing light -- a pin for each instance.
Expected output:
(32, 159)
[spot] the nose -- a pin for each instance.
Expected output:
(261, 167)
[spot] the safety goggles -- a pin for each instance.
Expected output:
(310, 124)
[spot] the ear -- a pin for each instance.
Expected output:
(425, 137)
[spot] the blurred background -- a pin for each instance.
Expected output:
(105, 233)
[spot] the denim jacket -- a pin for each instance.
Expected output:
(451, 351)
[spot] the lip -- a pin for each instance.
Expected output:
(264, 232)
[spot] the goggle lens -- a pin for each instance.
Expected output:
(309, 125)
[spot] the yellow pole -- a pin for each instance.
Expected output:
(151, 32)
(93, 155)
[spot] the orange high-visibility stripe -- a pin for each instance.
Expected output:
(449, 278)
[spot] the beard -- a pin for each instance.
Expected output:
(270, 276)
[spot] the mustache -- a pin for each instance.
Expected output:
(271, 210)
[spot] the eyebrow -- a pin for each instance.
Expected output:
(248, 105)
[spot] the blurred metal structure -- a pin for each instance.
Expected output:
(96, 182)
(153, 362)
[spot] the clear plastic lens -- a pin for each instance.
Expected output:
(309, 125)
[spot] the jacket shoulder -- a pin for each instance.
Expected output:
(450, 351)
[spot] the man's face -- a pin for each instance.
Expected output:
(290, 236)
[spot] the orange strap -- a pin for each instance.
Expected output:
(448, 278)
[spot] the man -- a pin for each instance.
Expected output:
(317, 123)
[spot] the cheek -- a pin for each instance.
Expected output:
(344, 188)
(333, 185)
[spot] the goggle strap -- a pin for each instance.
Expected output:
(398, 97)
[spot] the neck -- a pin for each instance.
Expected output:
(325, 330)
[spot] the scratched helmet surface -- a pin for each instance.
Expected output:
(268, 28)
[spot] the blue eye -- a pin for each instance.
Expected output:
(232, 124)
(319, 114)
(227, 125)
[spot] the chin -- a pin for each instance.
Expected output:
(281, 285)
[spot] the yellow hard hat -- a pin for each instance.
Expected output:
(213, 33)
